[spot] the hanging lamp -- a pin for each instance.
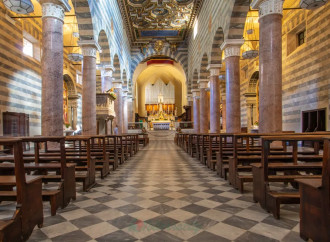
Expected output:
(19, 6)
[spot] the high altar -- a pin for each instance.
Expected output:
(160, 115)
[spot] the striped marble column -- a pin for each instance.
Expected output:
(125, 111)
(204, 111)
(52, 66)
(196, 109)
(118, 120)
(231, 47)
(214, 97)
(89, 49)
(270, 64)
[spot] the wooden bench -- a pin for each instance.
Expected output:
(267, 173)
(29, 208)
(315, 202)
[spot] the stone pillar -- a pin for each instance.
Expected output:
(270, 64)
(214, 97)
(89, 49)
(118, 120)
(125, 112)
(223, 101)
(204, 111)
(196, 109)
(73, 106)
(190, 100)
(52, 66)
(106, 77)
(130, 109)
(231, 47)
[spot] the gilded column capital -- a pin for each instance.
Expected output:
(232, 47)
(267, 7)
(214, 69)
(89, 47)
(54, 8)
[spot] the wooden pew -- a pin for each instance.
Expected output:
(111, 147)
(315, 202)
(85, 163)
(29, 208)
(266, 172)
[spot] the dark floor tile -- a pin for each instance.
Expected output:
(116, 236)
(162, 209)
(201, 222)
(133, 199)
(219, 199)
(105, 199)
(191, 199)
(283, 222)
(48, 221)
(161, 199)
(130, 208)
(207, 237)
(292, 237)
(229, 209)
(37, 235)
(196, 209)
(161, 191)
(162, 222)
(240, 222)
(249, 237)
(213, 191)
(187, 191)
(161, 236)
(96, 208)
(75, 236)
(123, 221)
(86, 221)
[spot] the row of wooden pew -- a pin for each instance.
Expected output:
(50, 171)
(270, 162)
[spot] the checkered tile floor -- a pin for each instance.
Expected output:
(162, 194)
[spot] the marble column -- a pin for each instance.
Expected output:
(130, 109)
(73, 106)
(196, 109)
(52, 66)
(224, 126)
(125, 112)
(190, 100)
(214, 97)
(231, 47)
(204, 111)
(106, 77)
(118, 120)
(270, 64)
(89, 49)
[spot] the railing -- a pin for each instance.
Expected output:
(184, 125)
(137, 125)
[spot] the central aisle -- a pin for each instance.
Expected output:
(162, 194)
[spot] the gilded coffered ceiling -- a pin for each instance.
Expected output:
(151, 20)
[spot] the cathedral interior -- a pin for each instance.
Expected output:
(164, 120)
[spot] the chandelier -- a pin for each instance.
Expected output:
(75, 57)
(19, 6)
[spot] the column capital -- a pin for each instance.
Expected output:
(195, 93)
(107, 70)
(125, 92)
(189, 97)
(89, 47)
(203, 83)
(214, 69)
(118, 84)
(232, 47)
(54, 8)
(267, 7)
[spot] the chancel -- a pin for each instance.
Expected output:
(164, 120)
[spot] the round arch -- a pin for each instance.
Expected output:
(103, 42)
(204, 73)
(216, 57)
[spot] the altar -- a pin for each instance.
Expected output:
(161, 125)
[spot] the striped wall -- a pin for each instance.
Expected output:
(306, 70)
(20, 79)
